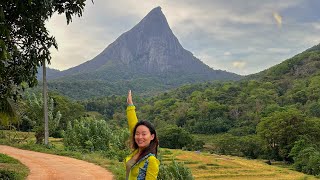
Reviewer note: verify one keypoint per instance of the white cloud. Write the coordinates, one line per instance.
(227, 53)
(316, 25)
(279, 50)
(239, 64)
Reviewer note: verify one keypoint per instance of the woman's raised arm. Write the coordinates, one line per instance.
(131, 113)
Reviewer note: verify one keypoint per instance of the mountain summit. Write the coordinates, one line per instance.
(147, 57)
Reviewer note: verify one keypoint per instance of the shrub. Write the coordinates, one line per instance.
(174, 171)
(7, 175)
(308, 161)
(174, 137)
(218, 125)
(11, 168)
(88, 133)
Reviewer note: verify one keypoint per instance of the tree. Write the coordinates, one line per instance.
(70, 109)
(174, 137)
(25, 41)
(8, 111)
(90, 133)
(34, 114)
(280, 130)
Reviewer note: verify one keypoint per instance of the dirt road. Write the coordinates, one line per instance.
(51, 167)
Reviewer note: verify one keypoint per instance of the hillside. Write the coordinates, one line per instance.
(302, 65)
(51, 73)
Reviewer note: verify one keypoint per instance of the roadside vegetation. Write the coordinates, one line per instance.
(274, 115)
(11, 168)
(175, 164)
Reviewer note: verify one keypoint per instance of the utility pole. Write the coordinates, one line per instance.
(45, 103)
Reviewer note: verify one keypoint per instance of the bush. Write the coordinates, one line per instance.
(174, 137)
(117, 154)
(119, 144)
(218, 125)
(306, 157)
(8, 175)
(89, 134)
(227, 144)
(251, 146)
(196, 145)
(308, 161)
(247, 146)
(174, 171)
(18, 172)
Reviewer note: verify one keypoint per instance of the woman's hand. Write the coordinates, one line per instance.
(129, 98)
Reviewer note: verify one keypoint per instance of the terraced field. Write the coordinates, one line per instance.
(206, 166)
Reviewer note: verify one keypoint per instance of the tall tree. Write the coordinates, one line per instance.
(280, 130)
(25, 41)
(33, 115)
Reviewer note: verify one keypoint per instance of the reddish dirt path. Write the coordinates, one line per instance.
(50, 167)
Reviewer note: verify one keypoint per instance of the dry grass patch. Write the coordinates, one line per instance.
(212, 166)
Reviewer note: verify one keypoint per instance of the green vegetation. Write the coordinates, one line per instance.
(33, 115)
(176, 163)
(177, 138)
(25, 42)
(260, 117)
(90, 135)
(274, 115)
(174, 170)
(264, 116)
(211, 166)
(12, 169)
(108, 81)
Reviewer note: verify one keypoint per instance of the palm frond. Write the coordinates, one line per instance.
(8, 111)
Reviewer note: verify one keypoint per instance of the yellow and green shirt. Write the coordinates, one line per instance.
(146, 168)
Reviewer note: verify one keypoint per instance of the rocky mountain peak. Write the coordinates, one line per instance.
(154, 23)
(148, 57)
(151, 45)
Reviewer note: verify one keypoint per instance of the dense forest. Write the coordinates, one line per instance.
(274, 115)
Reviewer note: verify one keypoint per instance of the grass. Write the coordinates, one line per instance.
(211, 166)
(11, 168)
(203, 165)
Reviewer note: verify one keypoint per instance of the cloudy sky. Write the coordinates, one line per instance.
(240, 36)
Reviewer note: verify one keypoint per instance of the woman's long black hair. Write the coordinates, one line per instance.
(153, 146)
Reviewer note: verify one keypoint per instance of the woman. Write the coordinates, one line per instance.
(142, 163)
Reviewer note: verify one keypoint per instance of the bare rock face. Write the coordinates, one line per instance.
(151, 44)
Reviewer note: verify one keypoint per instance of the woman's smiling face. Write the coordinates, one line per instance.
(143, 137)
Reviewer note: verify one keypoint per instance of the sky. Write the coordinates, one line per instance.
(239, 36)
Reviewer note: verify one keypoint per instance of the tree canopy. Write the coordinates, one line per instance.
(25, 40)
